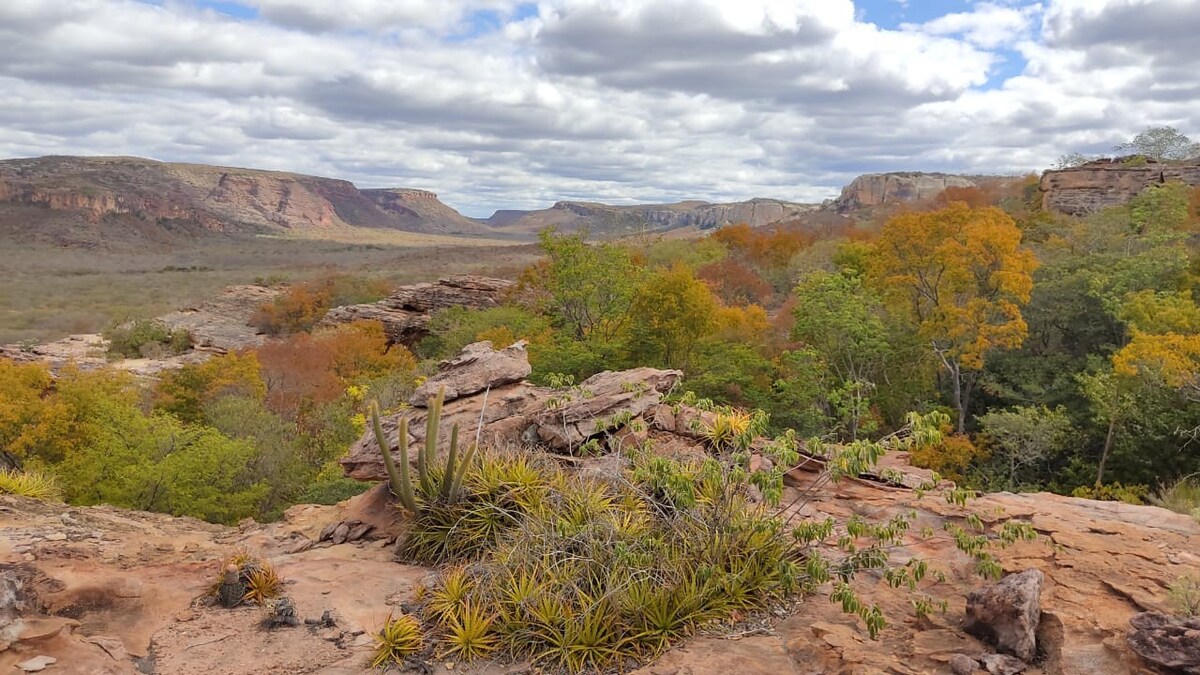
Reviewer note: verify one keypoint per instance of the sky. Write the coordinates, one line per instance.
(502, 104)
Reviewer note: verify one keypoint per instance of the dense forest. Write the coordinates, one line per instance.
(1065, 351)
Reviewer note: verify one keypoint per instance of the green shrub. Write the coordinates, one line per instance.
(1114, 492)
(399, 639)
(1184, 596)
(1182, 496)
(585, 574)
(145, 339)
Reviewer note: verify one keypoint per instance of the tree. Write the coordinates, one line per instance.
(1163, 207)
(1163, 144)
(1023, 437)
(671, 313)
(1071, 160)
(842, 321)
(587, 289)
(963, 276)
(185, 392)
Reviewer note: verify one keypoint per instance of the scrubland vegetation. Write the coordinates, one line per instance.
(48, 292)
(1065, 351)
(1002, 346)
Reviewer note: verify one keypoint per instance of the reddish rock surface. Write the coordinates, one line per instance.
(1104, 183)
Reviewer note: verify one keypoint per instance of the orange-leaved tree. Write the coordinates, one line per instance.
(962, 276)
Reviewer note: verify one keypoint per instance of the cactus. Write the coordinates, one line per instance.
(401, 479)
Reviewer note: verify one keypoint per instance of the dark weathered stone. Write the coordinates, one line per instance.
(1006, 614)
(1166, 642)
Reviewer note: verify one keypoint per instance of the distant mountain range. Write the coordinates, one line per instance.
(94, 201)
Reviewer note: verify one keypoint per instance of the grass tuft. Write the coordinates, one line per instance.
(32, 484)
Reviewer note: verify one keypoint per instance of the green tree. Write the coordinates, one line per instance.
(588, 289)
(1023, 438)
(1163, 144)
(842, 320)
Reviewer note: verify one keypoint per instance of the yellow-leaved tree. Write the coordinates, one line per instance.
(1164, 340)
(962, 276)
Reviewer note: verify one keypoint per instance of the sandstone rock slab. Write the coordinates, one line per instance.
(477, 368)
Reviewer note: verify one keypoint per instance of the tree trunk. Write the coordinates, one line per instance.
(1112, 427)
(956, 383)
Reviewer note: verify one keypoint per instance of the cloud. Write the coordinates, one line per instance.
(988, 25)
(501, 104)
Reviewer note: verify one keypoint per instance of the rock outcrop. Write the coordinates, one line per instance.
(1166, 642)
(222, 324)
(885, 189)
(1104, 183)
(405, 313)
(478, 368)
(611, 220)
(1006, 614)
(515, 413)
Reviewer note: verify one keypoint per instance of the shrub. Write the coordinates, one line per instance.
(302, 305)
(1182, 496)
(1184, 596)
(1113, 492)
(145, 339)
(950, 457)
(32, 484)
(590, 575)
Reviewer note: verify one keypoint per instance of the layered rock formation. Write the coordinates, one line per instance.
(216, 199)
(1104, 183)
(610, 220)
(406, 312)
(885, 189)
(222, 324)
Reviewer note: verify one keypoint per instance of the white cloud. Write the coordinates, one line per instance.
(613, 100)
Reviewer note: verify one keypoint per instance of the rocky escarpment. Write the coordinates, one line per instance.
(609, 220)
(406, 312)
(1104, 183)
(219, 199)
(885, 189)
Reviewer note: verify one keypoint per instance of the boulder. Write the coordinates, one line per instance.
(1006, 614)
(1166, 642)
(405, 313)
(603, 402)
(478, 368)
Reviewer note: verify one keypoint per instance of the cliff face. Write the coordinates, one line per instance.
(605, 219)
(883, 189)
(217, 198)
(1107, 182)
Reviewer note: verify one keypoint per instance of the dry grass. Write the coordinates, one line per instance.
(47, 292)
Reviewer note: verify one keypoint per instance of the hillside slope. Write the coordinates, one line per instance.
(604, 220)
(84, 198)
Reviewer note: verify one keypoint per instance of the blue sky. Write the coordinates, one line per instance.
(510, 104)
